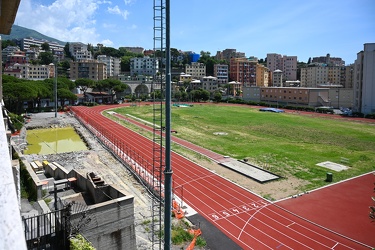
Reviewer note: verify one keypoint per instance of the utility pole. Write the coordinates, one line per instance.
(55, 89)
(168, 168)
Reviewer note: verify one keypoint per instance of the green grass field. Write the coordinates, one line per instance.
(286, 144)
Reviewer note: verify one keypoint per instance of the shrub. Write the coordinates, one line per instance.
(79, 243)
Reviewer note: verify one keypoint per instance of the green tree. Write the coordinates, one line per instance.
(6, 43)
(46, 58)
(65, 95)
(45, 46)
(208, 61)
(111, 86)
(217, 96)
(67, 52)
(16, 93)
(83, 84)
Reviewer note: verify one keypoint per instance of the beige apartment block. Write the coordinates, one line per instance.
(196, 70)
(89, 69)
(311, 77)
(262, 75)
(30, 72)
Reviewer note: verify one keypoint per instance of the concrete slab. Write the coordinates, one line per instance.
(250, 171)
(333, 166)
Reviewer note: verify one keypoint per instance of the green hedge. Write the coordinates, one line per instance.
(28, 189)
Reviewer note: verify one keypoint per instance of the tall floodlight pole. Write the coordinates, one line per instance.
(168, 168)
(55, 89)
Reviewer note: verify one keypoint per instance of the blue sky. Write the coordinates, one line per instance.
(290, 27)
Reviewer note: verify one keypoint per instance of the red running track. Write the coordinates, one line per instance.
(249, 220)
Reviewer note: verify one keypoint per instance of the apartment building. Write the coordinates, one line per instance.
(30, 72)
(112, 64)
(26, 43)
(144, 66)
(243, 70)
(227, 54)
(9, 51)
(287, 64)
(277, 78)
(221, 72)
(79, 51)
(346, 76)
(90, 69)
(364, 80)
(328, 60)
(262, 75)
(16, 57)
(210, 83)
(196, 70)
(311, 77)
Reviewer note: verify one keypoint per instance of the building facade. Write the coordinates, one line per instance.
(144, 66)
(30, 72)
(221, 72)
(79, 51)
(312, 97)
(227, 54)
(89, 69)
(287, 64)
(112, 64)
(277, 78)
(364, 80)
(243, 70)
(196, 70)
(26, 43)
(328, 60)
(9, 51)
(210, 84)
(262, 76)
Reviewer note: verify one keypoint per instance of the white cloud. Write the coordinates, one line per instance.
(129, 2)
(107, 42)
(116, 10)
(66, 20)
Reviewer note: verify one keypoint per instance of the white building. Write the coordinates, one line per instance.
(277, 78)
(143, 66)
(221, 72)
(25, 43)
(364, 80)
(112, 64)
(79, 51)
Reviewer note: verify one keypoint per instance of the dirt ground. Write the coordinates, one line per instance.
(97, 159)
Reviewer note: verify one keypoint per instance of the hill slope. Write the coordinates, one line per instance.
(19, 32)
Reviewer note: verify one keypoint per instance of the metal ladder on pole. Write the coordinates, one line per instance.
(158, 90)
